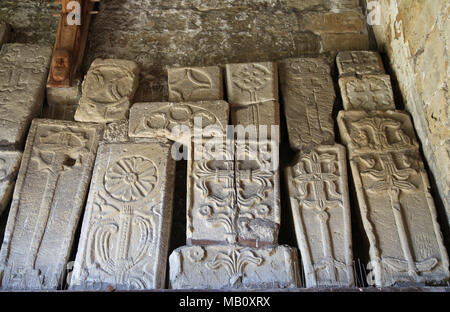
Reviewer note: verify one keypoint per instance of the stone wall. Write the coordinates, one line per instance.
(414, 35)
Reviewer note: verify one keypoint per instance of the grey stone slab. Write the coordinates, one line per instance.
(356, 63)
(9, 167)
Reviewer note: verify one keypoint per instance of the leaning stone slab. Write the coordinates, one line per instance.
(357, 63)
(308, 96)
(23, 75)
(188, 84)
(249, 83)
(5, 32)
(233, 267)
(126, 227)
(47, 203)
(368, 92)
(395, 204)
(317, 184)
(9, 167)
(107, 90)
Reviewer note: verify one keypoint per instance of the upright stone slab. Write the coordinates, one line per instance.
(233, 267)
(308, 96)
(317, 184)
(395, 204)
(107, 90)
(5, 32)
(47, 203)
(368, 92)
(9, 167)
(62, 103)
(357, 63)
(188, 84)
(126, 227)
(23, 74)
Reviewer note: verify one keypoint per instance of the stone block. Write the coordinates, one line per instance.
(9, 167)
(332, 42)
(358, 63)
(63, 102)
(116, 131)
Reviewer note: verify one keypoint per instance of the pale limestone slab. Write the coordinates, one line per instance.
(168, 119)
(126, 227)
(357, 63)
(48, 198)
(233, 267)
(116, 131)
(368, 92)
(23, 75)
(63, 102)
(308, 96)
(188, 84)
(5, 33)
(9, 167)
(318, 192)
(249, 83)
(395, 204)
(107, 90)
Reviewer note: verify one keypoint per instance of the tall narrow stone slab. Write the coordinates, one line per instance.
(188, 84)
(23, 74)
(233, 267)
(107, 90)
(317, 184)
(308, 96)
(357, 63)
(9, 167)
(5, 32)
(396, 207)
(368, 92)
(126, 227)
(47, 203)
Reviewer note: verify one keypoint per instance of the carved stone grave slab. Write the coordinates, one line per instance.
(188, 84)
(9, 167)
(395, 204)
(23, 74)
(107, 90)
(126, 227)
(317, 185)
(308, 96)
(47, 203)
(357, 63)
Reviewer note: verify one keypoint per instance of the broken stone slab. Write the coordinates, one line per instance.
(308, 96)
(189, 84)
(367, 92)
(358, 63)
(233, 267)
(5, 33)
(249, 83)
(318, 192)
(395, 205)
(107, 90)
(48, 198)
(116, 131)
(63, 102)
(176, 121)
(126, 227)
(23, 74)
(9, 167)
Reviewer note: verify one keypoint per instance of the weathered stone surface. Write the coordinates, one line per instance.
(308, 96)
(317, 184)
(349, 21)
(23, 74)
(116, 131)
(331, 42)
(156, 119)
(250, 83)
(125, 233)
(63, 102)
(195, 84)
(396, 207)
(9, 167)
(233, 267)
(359, 63)
(5, 32)
(368, 92)
(47, 203)
(107, 91)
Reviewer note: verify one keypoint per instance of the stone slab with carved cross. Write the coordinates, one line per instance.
(233, 267)
(367, 92)
(23, 74)
(5, 33)
(9, 167)
(188, 84)
(318, 192)
(126, 227)
(108, 90)
(308, 97)
(48, 198)
(395, 205)
(357, 63)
